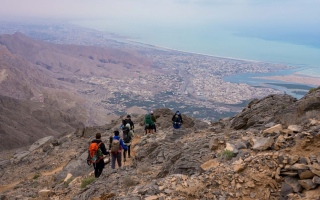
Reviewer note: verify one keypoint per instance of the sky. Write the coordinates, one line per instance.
(223, 11)
(267, 19)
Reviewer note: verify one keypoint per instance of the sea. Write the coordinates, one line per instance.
(216, 40)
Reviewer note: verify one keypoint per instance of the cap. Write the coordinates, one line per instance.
(128, 116)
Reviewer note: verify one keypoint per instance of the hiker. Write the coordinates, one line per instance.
(116, 146)
(128, 120)
(99, 164)
(127, 139)
(153, 118)
(148, 124)
(177, 120)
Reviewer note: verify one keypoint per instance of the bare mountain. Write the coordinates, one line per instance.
(22, 122)
(52, 83)
(275, 158)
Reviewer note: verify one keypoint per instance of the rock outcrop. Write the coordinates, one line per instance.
(264, 158)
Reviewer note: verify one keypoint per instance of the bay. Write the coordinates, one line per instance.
(212, 39)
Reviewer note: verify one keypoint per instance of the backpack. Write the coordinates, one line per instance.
(177, 119)
(126, 137)
(95, 153)
(115, 145)
(148, 121)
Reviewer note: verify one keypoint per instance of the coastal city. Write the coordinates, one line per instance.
(192, 83)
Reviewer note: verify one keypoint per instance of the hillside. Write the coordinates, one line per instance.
(42, 87)
(270, 150)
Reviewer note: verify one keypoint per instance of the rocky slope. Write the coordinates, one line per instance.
(271, 150)
(41, 87)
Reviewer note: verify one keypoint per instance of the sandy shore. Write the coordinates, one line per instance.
(295, 78)
(190, 52)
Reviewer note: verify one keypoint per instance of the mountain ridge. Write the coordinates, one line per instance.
(277, 158)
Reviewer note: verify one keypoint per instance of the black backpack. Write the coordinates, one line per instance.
(177, 119)
(126, 137)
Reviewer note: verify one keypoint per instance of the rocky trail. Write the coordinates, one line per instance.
(271, 150)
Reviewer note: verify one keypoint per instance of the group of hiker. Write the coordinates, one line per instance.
(117, 145)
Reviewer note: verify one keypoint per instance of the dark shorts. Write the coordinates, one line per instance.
(149, 127)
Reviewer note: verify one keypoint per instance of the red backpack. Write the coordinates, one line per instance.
(95, 153)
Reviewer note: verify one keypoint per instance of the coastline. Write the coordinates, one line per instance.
(190, 52)
(295, 78)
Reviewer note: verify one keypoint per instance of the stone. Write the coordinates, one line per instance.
(240, 145)
(286, 132)
(214, 143)
(274, 129)
(67, 177)
(279, 142)
(289, 173)
(45, 193)
(295, 128)
(210, 164)
(312, 194)
(316, 180)
(299, 166)
(315, 168)
(239, 167)
(232, 148)
(40, 143)
(303, 160)
(19, 156)
(293, 182)
(250, 184)
(307, 184)
(305, 174)
(285, 189)
(261, 143)
(314, 122)
(151, 198)
(293, 159)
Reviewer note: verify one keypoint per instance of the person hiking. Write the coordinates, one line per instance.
(127, 139)
(128, 120)
(153, 118)
(99, 165)
(116, 146)
(148, 124)
(177, 120)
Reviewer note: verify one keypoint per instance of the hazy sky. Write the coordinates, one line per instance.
(240, 11)
(267, 19)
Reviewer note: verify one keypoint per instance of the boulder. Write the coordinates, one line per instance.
(275, 129)
(210, 164)
(295, 128)
(305, 174)
(285, 189)
(315, 168)
(299, 166)
(261, 143)
(316, 180)
(40, 143)
(239, 167)
(45, 194)
(307, 184)
(76, 167)
(293, 182)
(19, 156)
(232, 148)
(214, 143)
(240, 145)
